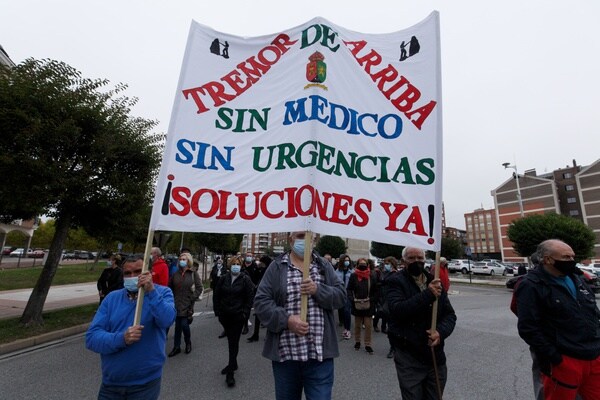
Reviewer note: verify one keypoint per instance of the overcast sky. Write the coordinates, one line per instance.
(520, 79)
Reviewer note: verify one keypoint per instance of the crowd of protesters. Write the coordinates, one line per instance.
(350, 288)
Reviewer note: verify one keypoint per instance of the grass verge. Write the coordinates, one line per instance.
(25, 278)
(11, 330)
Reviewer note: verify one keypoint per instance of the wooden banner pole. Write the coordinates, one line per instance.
(306, 272)
(436, 275)
(140, 298)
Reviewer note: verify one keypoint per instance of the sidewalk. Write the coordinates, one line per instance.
(13, 302)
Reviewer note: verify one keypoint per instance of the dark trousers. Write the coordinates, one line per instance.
(378, 315)
(233, 325)
(345, 315)
(256, 326)
(416, 379)
(181, 325)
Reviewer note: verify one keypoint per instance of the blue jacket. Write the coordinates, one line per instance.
(140, 362)
(553, 323)
(269, 305)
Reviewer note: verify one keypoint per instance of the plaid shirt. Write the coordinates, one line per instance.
(292, 346)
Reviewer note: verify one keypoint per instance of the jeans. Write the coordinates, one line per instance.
(291, 377)
(181, 324)
(147, 391)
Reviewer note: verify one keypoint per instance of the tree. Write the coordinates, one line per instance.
(332, 245)
(526, 233)
(382, 250)
(451, 248)
(69, 149)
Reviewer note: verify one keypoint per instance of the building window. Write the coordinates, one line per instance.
(574, 213)
(571, 200)
(567, 175)
(569, 188)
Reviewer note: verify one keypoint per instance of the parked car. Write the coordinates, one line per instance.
(591, 279)
(591, 268)
(37, 253)
(510, 268)
(68, 255)
(6, 250)
(20, 252)
(488, 268)
(460, 266)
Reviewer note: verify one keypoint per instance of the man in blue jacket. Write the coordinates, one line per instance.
(560, 321)
(132, 356)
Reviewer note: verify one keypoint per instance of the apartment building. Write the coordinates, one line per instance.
(482, 234)
(588, 182)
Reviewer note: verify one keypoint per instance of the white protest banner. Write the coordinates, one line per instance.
(316, 128)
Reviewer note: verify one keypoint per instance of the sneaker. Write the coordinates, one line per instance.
(357, 346)
(368, 349)
(346, 335)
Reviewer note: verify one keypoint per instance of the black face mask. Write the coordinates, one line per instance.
(362, 267)
(565, 267)
(416, 268)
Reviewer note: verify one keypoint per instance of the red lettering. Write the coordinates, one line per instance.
(423, 113)
(181, 200)
(263, 204)
(361, 208)
(393, 215)
(223, 197)
(196, 203)
(194, 93)
(415, 219)
(405, 101)
(283, 42)
(340, 206)
(242, 205)
(298, 201)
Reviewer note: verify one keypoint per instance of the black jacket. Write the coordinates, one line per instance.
(410, 316)
(110, 279)
(233, 298)
(362, 290)
(553, 323)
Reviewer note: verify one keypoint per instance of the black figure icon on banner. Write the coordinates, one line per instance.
(413, 48)
(215, 48)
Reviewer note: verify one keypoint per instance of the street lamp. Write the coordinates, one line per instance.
(507, 165)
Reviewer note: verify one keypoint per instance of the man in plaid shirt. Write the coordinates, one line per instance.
(302, 353)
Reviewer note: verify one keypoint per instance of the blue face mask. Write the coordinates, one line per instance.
(346, 263)
(248, 259)
(182, 263)
(130, 284)
(235, 269)
(298, 247)
(387, 267)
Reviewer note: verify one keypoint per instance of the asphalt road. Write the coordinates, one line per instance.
(486, 360)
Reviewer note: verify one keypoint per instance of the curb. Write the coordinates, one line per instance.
(21, 344)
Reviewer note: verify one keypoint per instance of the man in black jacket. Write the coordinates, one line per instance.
(560, 321)
(410, 296)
